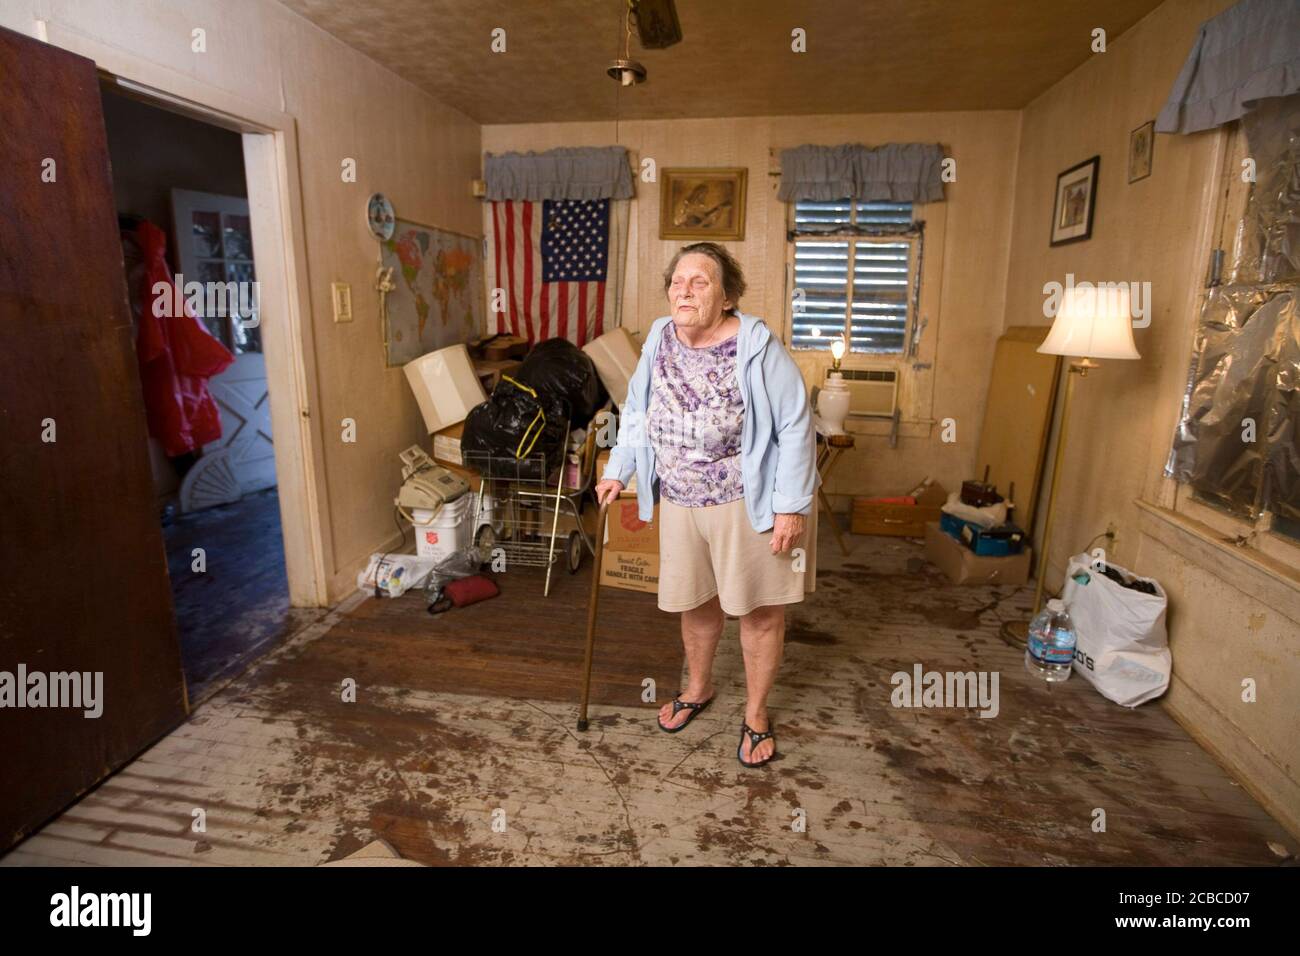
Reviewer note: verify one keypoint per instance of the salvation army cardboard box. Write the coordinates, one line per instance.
(630, 558)
(630, 570)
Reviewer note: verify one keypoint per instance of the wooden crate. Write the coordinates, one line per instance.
(907, 521)
(884, 517)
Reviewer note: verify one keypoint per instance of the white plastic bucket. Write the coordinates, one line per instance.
(488, 513)
(438, 536)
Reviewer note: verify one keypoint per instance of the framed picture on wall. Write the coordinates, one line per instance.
(1140, 144)
(1076, 201)
(702, 203)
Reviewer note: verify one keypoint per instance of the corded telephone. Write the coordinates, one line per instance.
(426, 485)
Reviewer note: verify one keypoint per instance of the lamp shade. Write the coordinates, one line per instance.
(1093, 322)
(615, 355)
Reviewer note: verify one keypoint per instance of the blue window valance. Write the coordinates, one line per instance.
(1247, 53)
(894, 172)
(569, 172)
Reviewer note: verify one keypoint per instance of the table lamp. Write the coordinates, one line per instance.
(832, 399)
(1092, 323)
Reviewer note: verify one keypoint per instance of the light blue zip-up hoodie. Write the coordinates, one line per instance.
(778, 450)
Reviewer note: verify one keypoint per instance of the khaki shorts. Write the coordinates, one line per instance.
(715, 550)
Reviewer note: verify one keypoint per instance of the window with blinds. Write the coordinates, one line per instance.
(875, 244)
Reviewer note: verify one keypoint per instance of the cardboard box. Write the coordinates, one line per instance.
(964, 566)
(630, 555)
(629, 490)
(625, 531)
(489, 371)
(504, 347)
(630, 570)
(446, 444)
(883, 517)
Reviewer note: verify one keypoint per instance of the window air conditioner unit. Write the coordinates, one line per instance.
(872, 391)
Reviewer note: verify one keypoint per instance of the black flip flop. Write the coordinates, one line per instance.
(678, 706)
(755, 738)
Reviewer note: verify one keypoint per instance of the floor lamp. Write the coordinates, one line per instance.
(1091, 323)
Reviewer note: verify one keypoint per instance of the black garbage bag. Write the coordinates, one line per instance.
(561, 369)
(517, 433)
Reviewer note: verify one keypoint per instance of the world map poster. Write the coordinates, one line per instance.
(437, 299)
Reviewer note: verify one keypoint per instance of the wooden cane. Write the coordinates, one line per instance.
(591, 614)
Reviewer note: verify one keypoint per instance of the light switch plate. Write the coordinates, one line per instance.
(342, 295)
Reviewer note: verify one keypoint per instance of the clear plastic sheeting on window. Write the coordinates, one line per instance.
(1236, 444)
(1267, 247)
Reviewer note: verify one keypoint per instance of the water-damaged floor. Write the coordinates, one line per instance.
(286, 772)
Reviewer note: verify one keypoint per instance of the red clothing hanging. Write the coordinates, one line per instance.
(177, 356)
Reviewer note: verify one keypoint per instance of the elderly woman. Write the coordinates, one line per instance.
(717, 430)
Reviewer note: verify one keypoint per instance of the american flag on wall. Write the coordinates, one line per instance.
(559, 264)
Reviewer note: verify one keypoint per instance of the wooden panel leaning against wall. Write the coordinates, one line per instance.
(87, 604)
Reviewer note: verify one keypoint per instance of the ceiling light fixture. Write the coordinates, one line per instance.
(625, 70)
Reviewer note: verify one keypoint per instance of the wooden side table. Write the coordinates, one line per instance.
(829, 450)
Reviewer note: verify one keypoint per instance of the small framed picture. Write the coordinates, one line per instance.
(1140, 144)
(702, 203)
(1076, 201)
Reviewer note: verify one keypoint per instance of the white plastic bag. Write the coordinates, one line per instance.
(990, 516)
(1123, 647)
(396, 573)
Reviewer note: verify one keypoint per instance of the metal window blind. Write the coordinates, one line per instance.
(873, 307)
(832, 214)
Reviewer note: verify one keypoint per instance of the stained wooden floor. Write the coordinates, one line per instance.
(238, 607)
(286, 773)
(519, 644)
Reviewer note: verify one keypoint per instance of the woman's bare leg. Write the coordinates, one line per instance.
(701, 629)
(762, 639)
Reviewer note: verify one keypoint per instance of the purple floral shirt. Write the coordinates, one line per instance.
(694, 420)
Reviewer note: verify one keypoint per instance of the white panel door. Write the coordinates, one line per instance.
(214, 244)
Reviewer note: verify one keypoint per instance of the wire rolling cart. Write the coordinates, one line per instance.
(519, 502)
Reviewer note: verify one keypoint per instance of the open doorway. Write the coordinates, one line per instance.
(183, 212)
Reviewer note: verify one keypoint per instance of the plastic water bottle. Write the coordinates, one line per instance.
(1049, 653)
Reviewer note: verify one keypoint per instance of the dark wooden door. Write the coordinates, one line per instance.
(83, 574)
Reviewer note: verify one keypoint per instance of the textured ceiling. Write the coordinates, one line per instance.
(735, 59)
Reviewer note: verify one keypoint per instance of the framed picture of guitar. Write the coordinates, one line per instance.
(702, 203)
